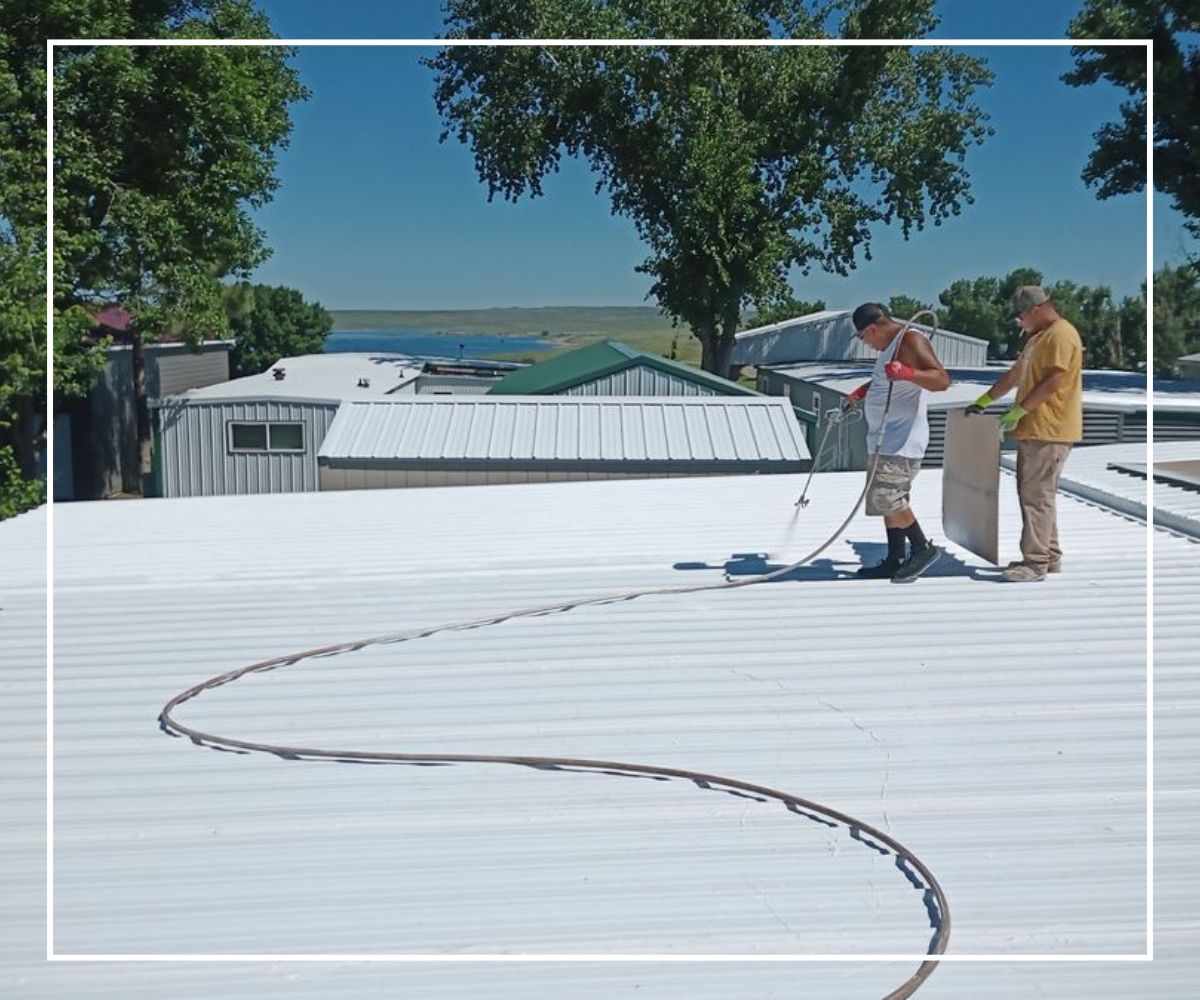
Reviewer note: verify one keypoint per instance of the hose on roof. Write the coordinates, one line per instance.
(914, 870)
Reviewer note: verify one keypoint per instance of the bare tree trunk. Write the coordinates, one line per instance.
(141, 409)
(717, 349)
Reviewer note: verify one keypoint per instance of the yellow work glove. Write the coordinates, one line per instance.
(1012, 417)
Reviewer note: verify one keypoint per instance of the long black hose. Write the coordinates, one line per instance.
(914, 870)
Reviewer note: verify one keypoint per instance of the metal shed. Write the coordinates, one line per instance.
(260, 434)
(829, 336)
(431, 441)
(215, 447)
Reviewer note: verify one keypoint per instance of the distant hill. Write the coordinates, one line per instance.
(564, 327)
(606, 321)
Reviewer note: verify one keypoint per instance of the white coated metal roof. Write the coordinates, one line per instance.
(1089, 474)
(316, 377)
(1112, 390)
(996, 730)
(627, 429)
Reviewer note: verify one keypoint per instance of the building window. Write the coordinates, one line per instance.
(263, 436)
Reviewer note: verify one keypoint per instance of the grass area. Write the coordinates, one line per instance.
(567, 327)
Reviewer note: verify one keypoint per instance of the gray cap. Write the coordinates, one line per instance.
(1028, 296)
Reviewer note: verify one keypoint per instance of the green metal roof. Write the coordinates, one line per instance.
(596, 361)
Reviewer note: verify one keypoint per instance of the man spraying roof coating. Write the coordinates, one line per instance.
(909, 365)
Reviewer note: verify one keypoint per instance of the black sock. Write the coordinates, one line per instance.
(916, 537)
(895, 544)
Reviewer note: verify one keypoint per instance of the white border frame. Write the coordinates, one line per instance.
(1147, 44)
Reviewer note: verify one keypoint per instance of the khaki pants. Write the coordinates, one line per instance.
(1039, 466)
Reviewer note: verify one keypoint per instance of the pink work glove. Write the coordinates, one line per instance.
(899, 370)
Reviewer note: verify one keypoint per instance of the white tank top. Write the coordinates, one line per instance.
(906, 432)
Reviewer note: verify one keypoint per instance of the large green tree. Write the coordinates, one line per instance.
(975, 307)
(734, 163)
(1113, 334)
(22, 256)
(160, 153)
(1176, 316)
(272, 322)
(1118, 163)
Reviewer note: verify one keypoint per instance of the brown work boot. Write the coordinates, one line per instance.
(1055, 566)
(1024, 573)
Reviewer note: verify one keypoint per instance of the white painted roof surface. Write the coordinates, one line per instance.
(627, 429)
(317, 377)
(1009, 758)
(1101, 389)
(1087, 474)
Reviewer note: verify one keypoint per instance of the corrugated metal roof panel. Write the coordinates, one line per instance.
(567, 428)
(1089, 473)
(1010, 758)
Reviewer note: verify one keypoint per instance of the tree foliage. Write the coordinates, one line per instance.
(1113, 332)
(735, 164)
(905, 306)
(159, 154)
(272, 322)
(1118, 163)
(783, 309)
(1176, 316)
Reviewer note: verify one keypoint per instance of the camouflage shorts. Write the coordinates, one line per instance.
(890, 487)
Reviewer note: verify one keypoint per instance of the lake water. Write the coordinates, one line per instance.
(426, 343)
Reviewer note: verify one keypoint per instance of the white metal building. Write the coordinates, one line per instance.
(1114, 406)
(261, 433)
(434, 441)
(1188, 366)
(829, 336)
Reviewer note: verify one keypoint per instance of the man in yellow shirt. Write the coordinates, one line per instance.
(1046, 421)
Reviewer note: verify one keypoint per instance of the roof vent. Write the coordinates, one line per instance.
(364, 383)
(279, 373)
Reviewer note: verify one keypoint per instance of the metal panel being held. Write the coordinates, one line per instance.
(971, 483)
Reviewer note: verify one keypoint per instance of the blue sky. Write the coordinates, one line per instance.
(374, 213)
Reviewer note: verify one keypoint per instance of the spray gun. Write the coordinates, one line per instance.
(834, 416)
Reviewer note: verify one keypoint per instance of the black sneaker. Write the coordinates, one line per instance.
(917, 563)
(880, 571)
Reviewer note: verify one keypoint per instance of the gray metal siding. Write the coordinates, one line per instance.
(447, 385)
(1175, 426)
(359, 478)
(180, 371)
(640, 380)
(195, 455)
